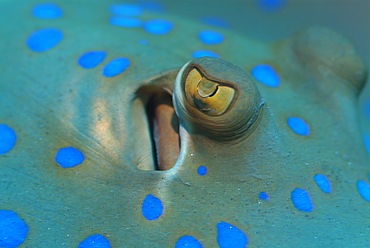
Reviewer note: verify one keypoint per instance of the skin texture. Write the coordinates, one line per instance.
(51, 102)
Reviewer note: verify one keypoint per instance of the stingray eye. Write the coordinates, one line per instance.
(210, 97)
(217, 99)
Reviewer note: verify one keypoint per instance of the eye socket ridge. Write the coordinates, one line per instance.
(204, 74)
(226, 107)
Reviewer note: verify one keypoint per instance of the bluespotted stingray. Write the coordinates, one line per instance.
(122, 127)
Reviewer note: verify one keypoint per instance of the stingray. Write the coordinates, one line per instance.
(121, 127)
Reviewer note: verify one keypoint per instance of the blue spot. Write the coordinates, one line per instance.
(69, 157)
(367, 108)
(188, 242)
(210, 37)
(323, 183)
(205, 53)
(95, 241)
(126, 22)
(44, 39)
(363, 189)
(266, 74)
(264, 196)
(230, 236)
(152, 5)
(367, 142)
(202, 170)
(298, 125)
(143, 42)
(215, 21)
(91, 59)
(152, 207)
(271, 5)
(7, 139)
(126, 9)
(301, 200)
(158, 27)
(47, 11)
(13, 230)
(115, 67)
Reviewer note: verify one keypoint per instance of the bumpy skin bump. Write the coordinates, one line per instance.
(232, 116)
(328, 54)
(51, 102)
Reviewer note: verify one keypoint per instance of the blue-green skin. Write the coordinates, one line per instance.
(51, 102)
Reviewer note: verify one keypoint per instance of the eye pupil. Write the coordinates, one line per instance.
(207, 88)
(208, 96)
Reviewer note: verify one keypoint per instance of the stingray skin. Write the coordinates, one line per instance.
(51, 102)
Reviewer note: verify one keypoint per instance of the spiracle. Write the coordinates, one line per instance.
(217, 99)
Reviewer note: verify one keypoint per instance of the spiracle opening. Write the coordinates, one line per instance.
(156, 130)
